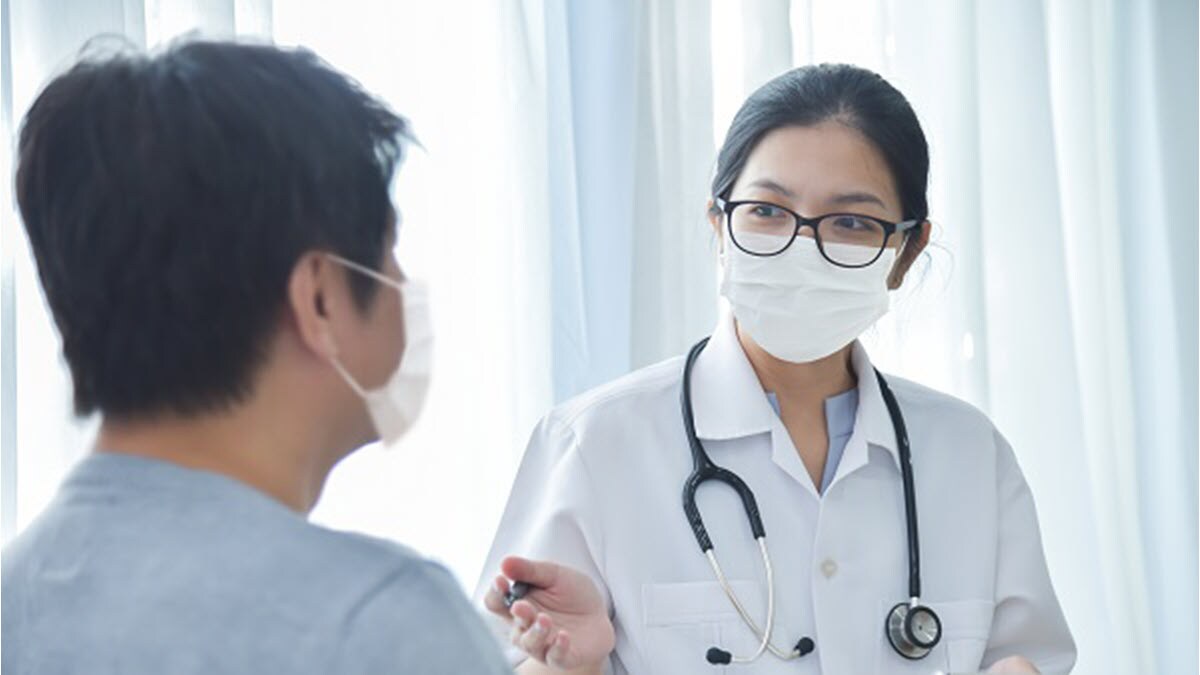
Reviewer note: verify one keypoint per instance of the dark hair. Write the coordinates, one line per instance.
(848, 94)
(167, 199)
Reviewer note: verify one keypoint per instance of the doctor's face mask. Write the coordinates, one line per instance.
(810, 236)
(797, 305)
(395, 406)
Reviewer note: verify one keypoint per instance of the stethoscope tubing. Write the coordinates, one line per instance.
(704, 469)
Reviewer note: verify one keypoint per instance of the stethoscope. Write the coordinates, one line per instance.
(912, 628)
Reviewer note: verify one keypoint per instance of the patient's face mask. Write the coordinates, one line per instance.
(797, 305)
(394, 407)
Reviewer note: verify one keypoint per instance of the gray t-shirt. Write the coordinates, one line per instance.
(140, 566)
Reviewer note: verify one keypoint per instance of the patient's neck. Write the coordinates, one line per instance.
(256, 443)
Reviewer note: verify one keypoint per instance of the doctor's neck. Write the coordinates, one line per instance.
(804, 383)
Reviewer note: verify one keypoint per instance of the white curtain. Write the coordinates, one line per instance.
(558, 213)
(620, 162)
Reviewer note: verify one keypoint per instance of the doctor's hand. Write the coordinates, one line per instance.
(1014, 664)
(562, 622)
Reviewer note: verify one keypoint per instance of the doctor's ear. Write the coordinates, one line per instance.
(312, 301)
(717, 219)
(914, 243)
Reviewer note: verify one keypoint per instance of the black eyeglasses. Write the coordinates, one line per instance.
(844, 239)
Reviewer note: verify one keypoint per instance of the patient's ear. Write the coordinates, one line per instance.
(312, 297)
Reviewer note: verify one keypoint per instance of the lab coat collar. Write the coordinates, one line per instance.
(727, 398)
(872, 418)
(729, 402)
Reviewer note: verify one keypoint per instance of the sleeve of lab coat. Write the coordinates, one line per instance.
(1028, 620)
(552, 514)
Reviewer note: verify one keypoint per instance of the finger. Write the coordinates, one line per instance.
(519, 625)
(524, 613)
(522, 635)
(494, 598)
(557, 656)
(515, 634)
(536, 640)
(534, 573)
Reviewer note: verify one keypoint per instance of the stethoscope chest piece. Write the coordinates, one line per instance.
(913, 630)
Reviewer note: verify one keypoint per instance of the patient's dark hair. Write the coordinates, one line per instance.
(167, 199)
(847, 94)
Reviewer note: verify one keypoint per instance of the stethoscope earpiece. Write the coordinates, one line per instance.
(718, 657)
(913, 629)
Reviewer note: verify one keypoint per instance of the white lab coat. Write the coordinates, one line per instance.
(600, 489)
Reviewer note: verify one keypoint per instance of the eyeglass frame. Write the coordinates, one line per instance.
(889, 228)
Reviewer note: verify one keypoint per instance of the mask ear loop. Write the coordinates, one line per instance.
(337, 365)
(381, 278)
(363, 269)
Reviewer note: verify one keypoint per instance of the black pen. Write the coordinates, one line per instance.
(517, 591)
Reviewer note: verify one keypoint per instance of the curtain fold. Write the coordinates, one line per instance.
(1153, 65)
(673, 300)
(1035, 389)
(1083, 101)
(8, 294)
(628, 150)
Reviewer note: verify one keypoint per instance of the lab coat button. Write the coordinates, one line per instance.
(828, 568)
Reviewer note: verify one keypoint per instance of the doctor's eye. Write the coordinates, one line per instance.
(851, 223)
(768, 212)
(854, 229)
(761, 218)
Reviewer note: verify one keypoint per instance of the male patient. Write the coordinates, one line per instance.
(213, 232)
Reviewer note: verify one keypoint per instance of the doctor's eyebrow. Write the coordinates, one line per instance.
(851, 198)
(768, 184)
(844, 199)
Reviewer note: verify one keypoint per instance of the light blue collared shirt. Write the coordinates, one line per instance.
(840, 411)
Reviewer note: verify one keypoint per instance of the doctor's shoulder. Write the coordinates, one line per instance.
(945, 425)
(631, 408)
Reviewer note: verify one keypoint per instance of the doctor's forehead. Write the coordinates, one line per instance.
(829, 163)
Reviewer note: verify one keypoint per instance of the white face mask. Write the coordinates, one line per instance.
(797, 305)
(394, 407)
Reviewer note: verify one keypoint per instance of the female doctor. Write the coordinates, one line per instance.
(768, 503)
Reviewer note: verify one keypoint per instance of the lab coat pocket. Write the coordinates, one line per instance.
(966, 625)
(683, 620)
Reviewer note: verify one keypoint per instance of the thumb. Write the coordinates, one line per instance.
(535, 573)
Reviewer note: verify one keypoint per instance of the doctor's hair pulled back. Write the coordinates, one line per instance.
(853, 96)
(168, 197)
